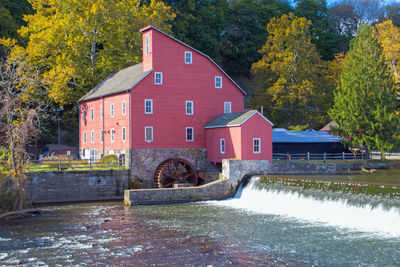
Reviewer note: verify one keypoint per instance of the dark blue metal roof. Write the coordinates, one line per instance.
(281, 135)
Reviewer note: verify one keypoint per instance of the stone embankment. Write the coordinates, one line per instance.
(76, 186)
(233, 172)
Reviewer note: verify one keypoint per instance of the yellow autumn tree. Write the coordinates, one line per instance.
(290, 76)
(388, 36)
(77, 43)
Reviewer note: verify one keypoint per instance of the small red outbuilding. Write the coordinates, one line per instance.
(241, 135)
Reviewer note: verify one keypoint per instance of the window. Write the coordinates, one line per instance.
(158, 78)
(84, 115)
(222, 146)
(112, 110)
(189, 107)
(227, 107)
(218, 82)
(84, 137)
(189, 134)
(102, 136)
(92, 137)
(123, 134)
(123, 108)
(188, 57)
(256, 145)
(92, 114)
(148, 106)
(148, 134)
(147, 45)
(101, 112)
(112, 135)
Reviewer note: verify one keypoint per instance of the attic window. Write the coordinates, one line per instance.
(218, 82)
(147, 45)
(188, 57)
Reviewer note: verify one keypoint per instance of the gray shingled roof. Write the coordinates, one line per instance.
(232, 119)
(117, 82)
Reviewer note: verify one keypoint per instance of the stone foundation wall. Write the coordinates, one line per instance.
(54, 187)
(212, 191)
(145, 161)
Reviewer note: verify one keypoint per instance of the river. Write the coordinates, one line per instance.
(264, 225)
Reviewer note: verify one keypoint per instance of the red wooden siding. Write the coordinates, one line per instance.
(181, 82)
(117, 122)
(256, 127)
(239, 140)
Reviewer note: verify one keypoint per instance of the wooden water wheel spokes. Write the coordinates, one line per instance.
(174, 170)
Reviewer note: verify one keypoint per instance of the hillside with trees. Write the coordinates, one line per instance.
(287, 55)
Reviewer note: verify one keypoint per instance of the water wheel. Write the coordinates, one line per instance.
(173, 171)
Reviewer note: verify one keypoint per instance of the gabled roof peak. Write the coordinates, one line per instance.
(198, 51)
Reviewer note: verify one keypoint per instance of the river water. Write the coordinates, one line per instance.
(264, 225)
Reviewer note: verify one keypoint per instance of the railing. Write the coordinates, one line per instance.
(70, 164)
(359, 156)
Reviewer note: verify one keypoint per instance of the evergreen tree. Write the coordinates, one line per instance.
(366, 107)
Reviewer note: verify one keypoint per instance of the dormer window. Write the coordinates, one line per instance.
(158, 78)
(188, 57)
(218, 82)
(147, 45)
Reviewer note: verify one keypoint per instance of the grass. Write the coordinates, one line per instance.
(391, 191)
(49, 164)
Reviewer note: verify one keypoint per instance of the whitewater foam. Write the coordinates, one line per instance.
(373, 219)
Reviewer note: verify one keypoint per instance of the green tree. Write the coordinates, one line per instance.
(246, 32)
(290, 76)
(200, 24)
(365, 104)
(322, 28)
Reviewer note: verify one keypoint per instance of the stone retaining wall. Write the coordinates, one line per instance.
(212, 191)
(55, 187)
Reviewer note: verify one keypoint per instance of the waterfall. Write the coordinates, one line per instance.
(338, 211)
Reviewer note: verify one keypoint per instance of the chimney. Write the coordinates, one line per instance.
(147, 50)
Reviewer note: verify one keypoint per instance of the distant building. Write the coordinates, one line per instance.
(327, 128)
(301, 142)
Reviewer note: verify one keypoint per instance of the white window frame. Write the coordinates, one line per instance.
(101, 112)
(84, 115)
(259, 145)
(84, 137)
(92, 136)
(123, 134)
(102, 136)
(191, 107)
(152, 134)
(92, 114)
(124, 107)
(151, 106)
(188, 55)
(222, 144)
(160, 82)
(112, 110)
(147, 44)
(189, 140)
(220, 81)
(112, 137)
(226, 110)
